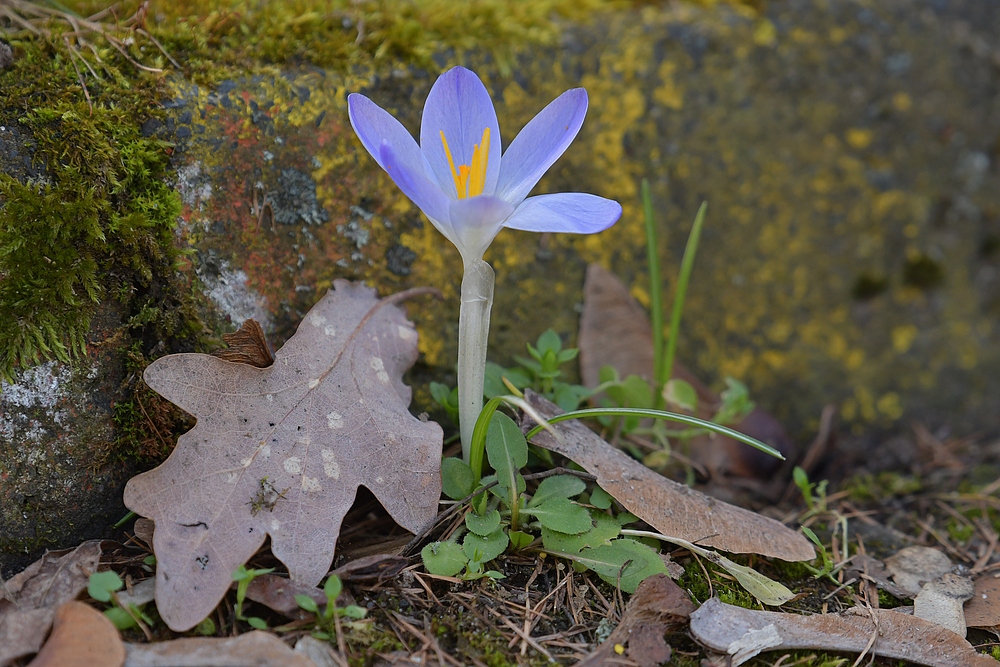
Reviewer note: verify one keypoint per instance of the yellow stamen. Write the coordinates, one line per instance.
(470, 179)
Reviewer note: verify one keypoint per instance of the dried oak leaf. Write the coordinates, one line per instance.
(254, 649)
(670, 507)
(281, 451)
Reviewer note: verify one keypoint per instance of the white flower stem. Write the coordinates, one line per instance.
(473, 330)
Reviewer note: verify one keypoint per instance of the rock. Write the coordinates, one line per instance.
(845, 153)
(61, 479)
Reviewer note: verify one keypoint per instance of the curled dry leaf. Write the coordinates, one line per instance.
(744, 633)
(672, 508)
(256, 649)
(872, 570)
(658, 606)
(247, 345)
(281, 451)
(30, 598)
(81, 637)
(615, 331)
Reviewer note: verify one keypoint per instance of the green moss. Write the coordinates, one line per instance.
(868, 487)
(91, 216)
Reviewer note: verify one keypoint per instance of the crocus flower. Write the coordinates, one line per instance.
(457, 175)
(458, 178)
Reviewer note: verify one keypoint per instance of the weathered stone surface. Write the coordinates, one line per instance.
(847, 153)
(60, 478)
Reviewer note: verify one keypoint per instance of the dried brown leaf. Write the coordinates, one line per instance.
(672, 508)
(278, 593)
(376, 567)
(281, 451)
(615, 331)
(983, 610)
(247, 345)
(254, 649)
(863, 566)
(658, 606)
(743, 633)
(81, 637)
(30, 598)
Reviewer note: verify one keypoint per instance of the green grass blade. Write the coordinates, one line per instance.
(660, 414)
(687, 264)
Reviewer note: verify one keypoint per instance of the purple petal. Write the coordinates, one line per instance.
(375, 126)
(421, 190)
(476, 221)
(567, 212)
(459, 106)
(539, 144)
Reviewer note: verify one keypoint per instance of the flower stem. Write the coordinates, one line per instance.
(473, 330)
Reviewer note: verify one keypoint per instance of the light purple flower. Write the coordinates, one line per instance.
(457, 176)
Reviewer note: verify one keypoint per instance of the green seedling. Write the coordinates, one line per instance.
(328, 619)
(242, 576)
(814, 494)
(826, 564)
(104, 587)
(501, 515)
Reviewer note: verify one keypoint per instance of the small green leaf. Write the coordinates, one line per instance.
(103, 584)
(625, 518)
(243, 574)
(257, 622)
(493, 385)
(493, 574)
(567, 355)
(483, 525)
(623, 558)
(519, 540)
(608, 373)
(149, 560)
(549, 341)
(563, 515)
(768, 591)
(605, 529)
(499, 490)
(354, 611)
(517, 377)
(600, 498)
(484, 549)
(206, 628)
(440, 393)
(681, 394)
(332, 588)
(307, 603)
(320, 635)
(445, 559)
(568, 396)
(120, 618)
(559, 486)
(506, 449)
(456, 478)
